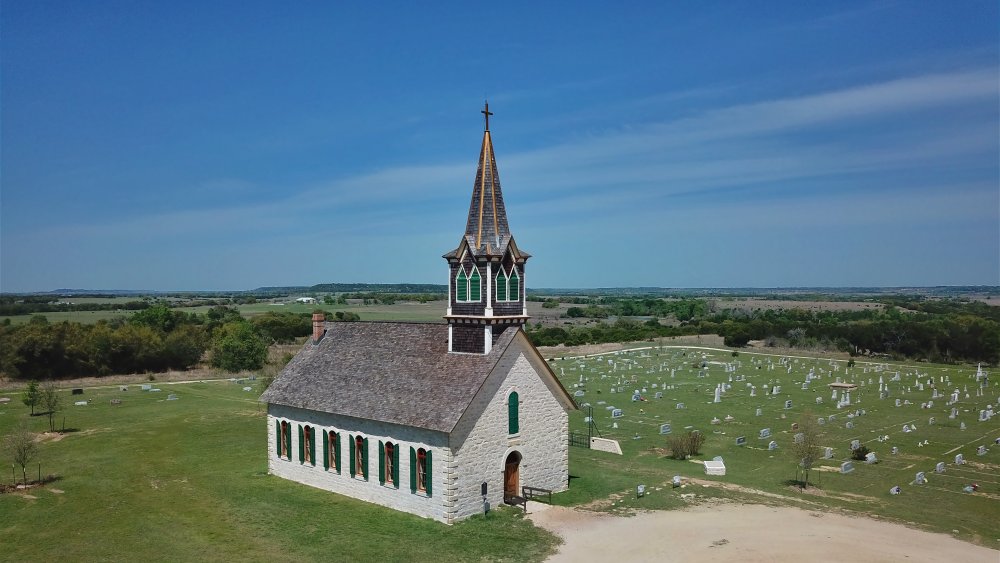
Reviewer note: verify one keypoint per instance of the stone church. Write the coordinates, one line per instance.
(421, 417)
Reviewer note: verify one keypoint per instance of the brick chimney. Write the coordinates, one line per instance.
(319, 327)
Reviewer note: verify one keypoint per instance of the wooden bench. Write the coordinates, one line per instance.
(515, 500)
(531, 493)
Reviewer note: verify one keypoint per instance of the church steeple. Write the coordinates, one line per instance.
(486, 271)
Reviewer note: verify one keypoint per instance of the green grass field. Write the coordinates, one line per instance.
(186, 480)
(753, 472)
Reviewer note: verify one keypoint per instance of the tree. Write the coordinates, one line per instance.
(51, 402)
(31, 396)
(21, 447)
(806, 450)
(238, 346)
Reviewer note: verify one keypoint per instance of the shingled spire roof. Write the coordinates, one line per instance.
(487, 232)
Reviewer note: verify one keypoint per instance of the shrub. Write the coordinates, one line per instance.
(684, 445)
(860, 453)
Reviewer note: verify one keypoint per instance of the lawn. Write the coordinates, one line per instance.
(186, 480)
(754, 472)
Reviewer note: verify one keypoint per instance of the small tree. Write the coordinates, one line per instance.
(51, 402)
(21, 447)
(238, 346)
(31, 396)
(806, 450)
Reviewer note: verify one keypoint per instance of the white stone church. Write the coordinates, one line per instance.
(418, 417)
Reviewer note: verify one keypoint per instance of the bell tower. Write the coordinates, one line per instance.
(486, 271)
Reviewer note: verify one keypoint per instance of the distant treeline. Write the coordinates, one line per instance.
(945, 330)
(154, 339)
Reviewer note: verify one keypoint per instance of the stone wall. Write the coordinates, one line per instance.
(371, 491)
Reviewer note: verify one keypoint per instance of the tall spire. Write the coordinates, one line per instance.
(487, 231)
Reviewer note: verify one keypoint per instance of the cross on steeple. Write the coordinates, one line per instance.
(487, 113)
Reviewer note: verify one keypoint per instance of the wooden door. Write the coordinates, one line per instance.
(510, 475)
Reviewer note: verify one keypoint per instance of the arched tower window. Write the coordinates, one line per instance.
(515, 285)
(501, 286)
(475, 285)
(461, 286)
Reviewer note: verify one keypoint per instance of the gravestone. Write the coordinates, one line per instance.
(578, 393)
(846, 467)
(827, 453)
(897, 402)
(895, 450)
(676, 481)
(680, 406)
(788, 404)
(665, 429)
(870, 458)
(821, 421)
(658, 395)
(123, 388)
(248, 388)
(895, 490)
(981, 450)
(855, 444)
(849, 425)
(764, 434)
(80, 404)
(961, 426)
(146, 386)
(819, 400)
(588, 419)
(171, 397)
(939, 468)
(921, 479)
(760, 412)
(116, 401)
(77, 391)
(799, 437)
(617, 413)
(741, 440)
(772, 445)
(930, 420)
(795, 426)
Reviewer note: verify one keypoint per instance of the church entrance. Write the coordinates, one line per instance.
(511, 478)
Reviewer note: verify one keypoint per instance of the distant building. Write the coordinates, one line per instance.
(306, 300)
(420, 417)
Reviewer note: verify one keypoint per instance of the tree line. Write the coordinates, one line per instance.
(154, 339)
(938, 330)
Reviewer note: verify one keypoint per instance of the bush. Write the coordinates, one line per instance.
(684, 445)
(860, 453)
(238, 346)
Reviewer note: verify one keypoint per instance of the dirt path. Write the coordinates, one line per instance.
(734, 532)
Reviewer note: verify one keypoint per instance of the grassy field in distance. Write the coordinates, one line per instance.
(186, 480)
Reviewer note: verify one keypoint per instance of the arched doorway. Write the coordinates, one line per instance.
(511, 478)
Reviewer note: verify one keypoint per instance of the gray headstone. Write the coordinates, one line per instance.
(665, 429)
(772, 445)
(939, 468)
(764, 434)
(617, 413)
(846, 467)
(741, 440)
(788, 404)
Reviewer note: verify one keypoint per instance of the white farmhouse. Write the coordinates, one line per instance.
(422, 417)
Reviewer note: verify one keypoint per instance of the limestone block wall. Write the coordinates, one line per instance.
(481, 444)
(402, 499)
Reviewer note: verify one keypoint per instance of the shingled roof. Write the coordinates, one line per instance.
(399, 373)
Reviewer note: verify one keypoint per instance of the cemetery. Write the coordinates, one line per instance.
(749, 407)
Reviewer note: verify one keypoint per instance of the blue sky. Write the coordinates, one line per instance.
(232, 145)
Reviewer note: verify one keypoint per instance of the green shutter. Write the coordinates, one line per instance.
(413, 470)
(336, 452)
(501, 286)
(515, 285)
(395, 466)
(381, 463)
(302, 446)
(326, 450)
(475, 285)
(461, 286)
(277, 436)
(350, 445)
(364, 458)
(427, 478)
(288, 440)
(312, 446)
(512, 426)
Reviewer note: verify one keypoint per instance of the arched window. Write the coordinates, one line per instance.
(359, 457)
(331, 451)
(515, 285)
(512, 407)
(420, 471)
(388, 464)
(475, 285)
(501, 286)
(461, 286)
(284, 433)
(307, 445)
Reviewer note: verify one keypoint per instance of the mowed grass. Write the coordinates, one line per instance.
(755, 474)
(186, 480)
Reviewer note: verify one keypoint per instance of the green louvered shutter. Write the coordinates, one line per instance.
(512, 425)
(515, 285)
(381, 463)
(354, 463)
(312, 447)
(336, 452)
(277, 437)
(364, 458)
(326, 450)
(427, 478)
(395, 466)
(475, 285)
(413, 470)
(461, 286)
(302, 446)
(501, 286)
(288, 441)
